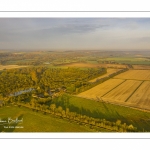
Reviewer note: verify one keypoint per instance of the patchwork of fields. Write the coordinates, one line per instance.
(131, 88)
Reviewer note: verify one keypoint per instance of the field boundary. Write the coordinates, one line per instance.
(131, 79)
(119, 104)
(114, 88)
(134, 91)
(141, 75)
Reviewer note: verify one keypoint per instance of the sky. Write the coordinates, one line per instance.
(75, 33)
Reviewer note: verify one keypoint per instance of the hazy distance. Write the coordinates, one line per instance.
(75, 33)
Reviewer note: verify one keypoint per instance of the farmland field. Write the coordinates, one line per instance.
(135, 75)
(110, 112)
(109, 72)
(123, 91)
(141, 97)
(129, 89)
(38, 122)
(10, 66)
(143, 67)
(129, 60)
(101, 89)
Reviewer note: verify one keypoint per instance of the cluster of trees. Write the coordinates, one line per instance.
(12, 82)
(44, 79)
(47, 81)
(71, 78)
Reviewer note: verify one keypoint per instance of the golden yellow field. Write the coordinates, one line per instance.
(122, 92)
(10, 67)
(135, 75)
(141, 97)
(101, 89)
(109, 72)
(131, 88)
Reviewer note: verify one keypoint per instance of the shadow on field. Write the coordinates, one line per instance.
(87, 112)
(104, 112)
(80, 110)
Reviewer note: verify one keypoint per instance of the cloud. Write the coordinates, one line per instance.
(143, 39)
(74, 32)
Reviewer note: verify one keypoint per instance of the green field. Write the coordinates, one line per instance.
(110, 112)
(15, 62)
(128, 60)
(92, 62)
(38, 122)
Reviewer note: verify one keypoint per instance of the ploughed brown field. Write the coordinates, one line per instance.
(131, 88)
(143, 67)
(10, 67)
